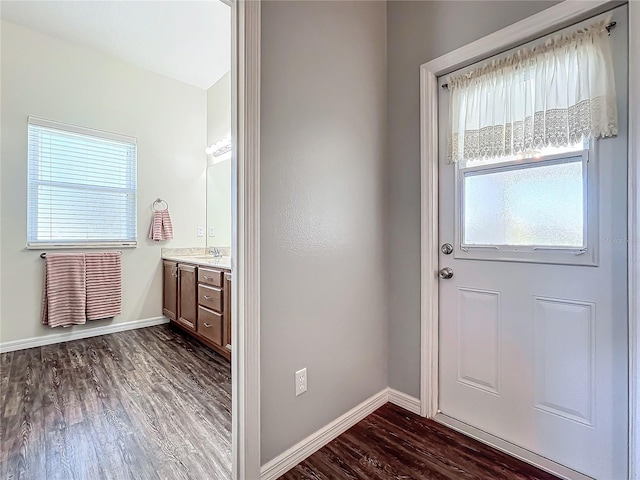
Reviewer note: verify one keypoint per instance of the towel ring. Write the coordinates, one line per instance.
(160, 202)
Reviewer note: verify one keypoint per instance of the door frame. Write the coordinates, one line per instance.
(245, 245)
(546, 21)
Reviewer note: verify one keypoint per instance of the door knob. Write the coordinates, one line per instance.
(446, 248)
(445, 273)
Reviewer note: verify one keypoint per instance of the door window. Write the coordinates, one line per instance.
(535, 210)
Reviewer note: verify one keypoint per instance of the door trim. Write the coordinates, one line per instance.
(634, 240)
(245, 131)
(551, 19)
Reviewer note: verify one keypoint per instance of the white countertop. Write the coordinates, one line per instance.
(202, 260)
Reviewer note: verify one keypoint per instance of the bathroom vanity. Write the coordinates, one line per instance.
(197, 298)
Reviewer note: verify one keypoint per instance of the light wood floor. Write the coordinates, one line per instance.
(393, 444)
(143, 404)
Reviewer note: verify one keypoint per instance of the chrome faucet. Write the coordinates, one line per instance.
(214, 251)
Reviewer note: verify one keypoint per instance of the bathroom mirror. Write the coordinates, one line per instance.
(219, 163)
(219, 204)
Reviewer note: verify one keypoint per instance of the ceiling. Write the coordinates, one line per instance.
(189, 41)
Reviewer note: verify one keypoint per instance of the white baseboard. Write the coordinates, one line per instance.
(314, 442)
(84, 332)
(409, 403)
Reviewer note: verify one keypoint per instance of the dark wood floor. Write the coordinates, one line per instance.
(154, 404)
(142, 404)
(393, 444)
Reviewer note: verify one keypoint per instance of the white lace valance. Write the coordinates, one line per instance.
(555, 94)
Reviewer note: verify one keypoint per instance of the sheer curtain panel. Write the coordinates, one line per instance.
(555, 94)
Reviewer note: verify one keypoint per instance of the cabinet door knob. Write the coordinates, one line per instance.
(207, 297)
(206, 277)
(207, 324)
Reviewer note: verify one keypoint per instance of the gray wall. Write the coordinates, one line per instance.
(323, 201)
(419, 31)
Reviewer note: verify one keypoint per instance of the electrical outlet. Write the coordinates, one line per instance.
(301, 381)
(200, 231)
(212, 231)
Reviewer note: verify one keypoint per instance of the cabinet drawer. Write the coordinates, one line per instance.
(210, 297)
(210, 325)
(210, 276)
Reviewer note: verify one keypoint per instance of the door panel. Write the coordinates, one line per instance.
(536, 353)
(188, 304)
(170, 289)
(564, 349)
(479, 339)
(226, 339)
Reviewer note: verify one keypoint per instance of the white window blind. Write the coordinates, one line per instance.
(82, 186)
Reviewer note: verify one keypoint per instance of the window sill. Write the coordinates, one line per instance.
(71, 246)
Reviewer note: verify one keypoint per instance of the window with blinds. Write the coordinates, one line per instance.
(82, 187)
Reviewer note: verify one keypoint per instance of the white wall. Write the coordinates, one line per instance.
(219, 175)
(49, 78)
(219, 109)
(323, 213)
(419, 31)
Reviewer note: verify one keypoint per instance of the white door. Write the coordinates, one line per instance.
(533, 341)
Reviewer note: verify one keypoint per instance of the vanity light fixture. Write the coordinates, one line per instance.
(219, 148)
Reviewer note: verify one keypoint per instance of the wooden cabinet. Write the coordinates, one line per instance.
(187, 300)
(210, 325)
(210, 306)
(210, 276)
(170, 289)
(226, 340)
(198, 299)
(210, 297)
